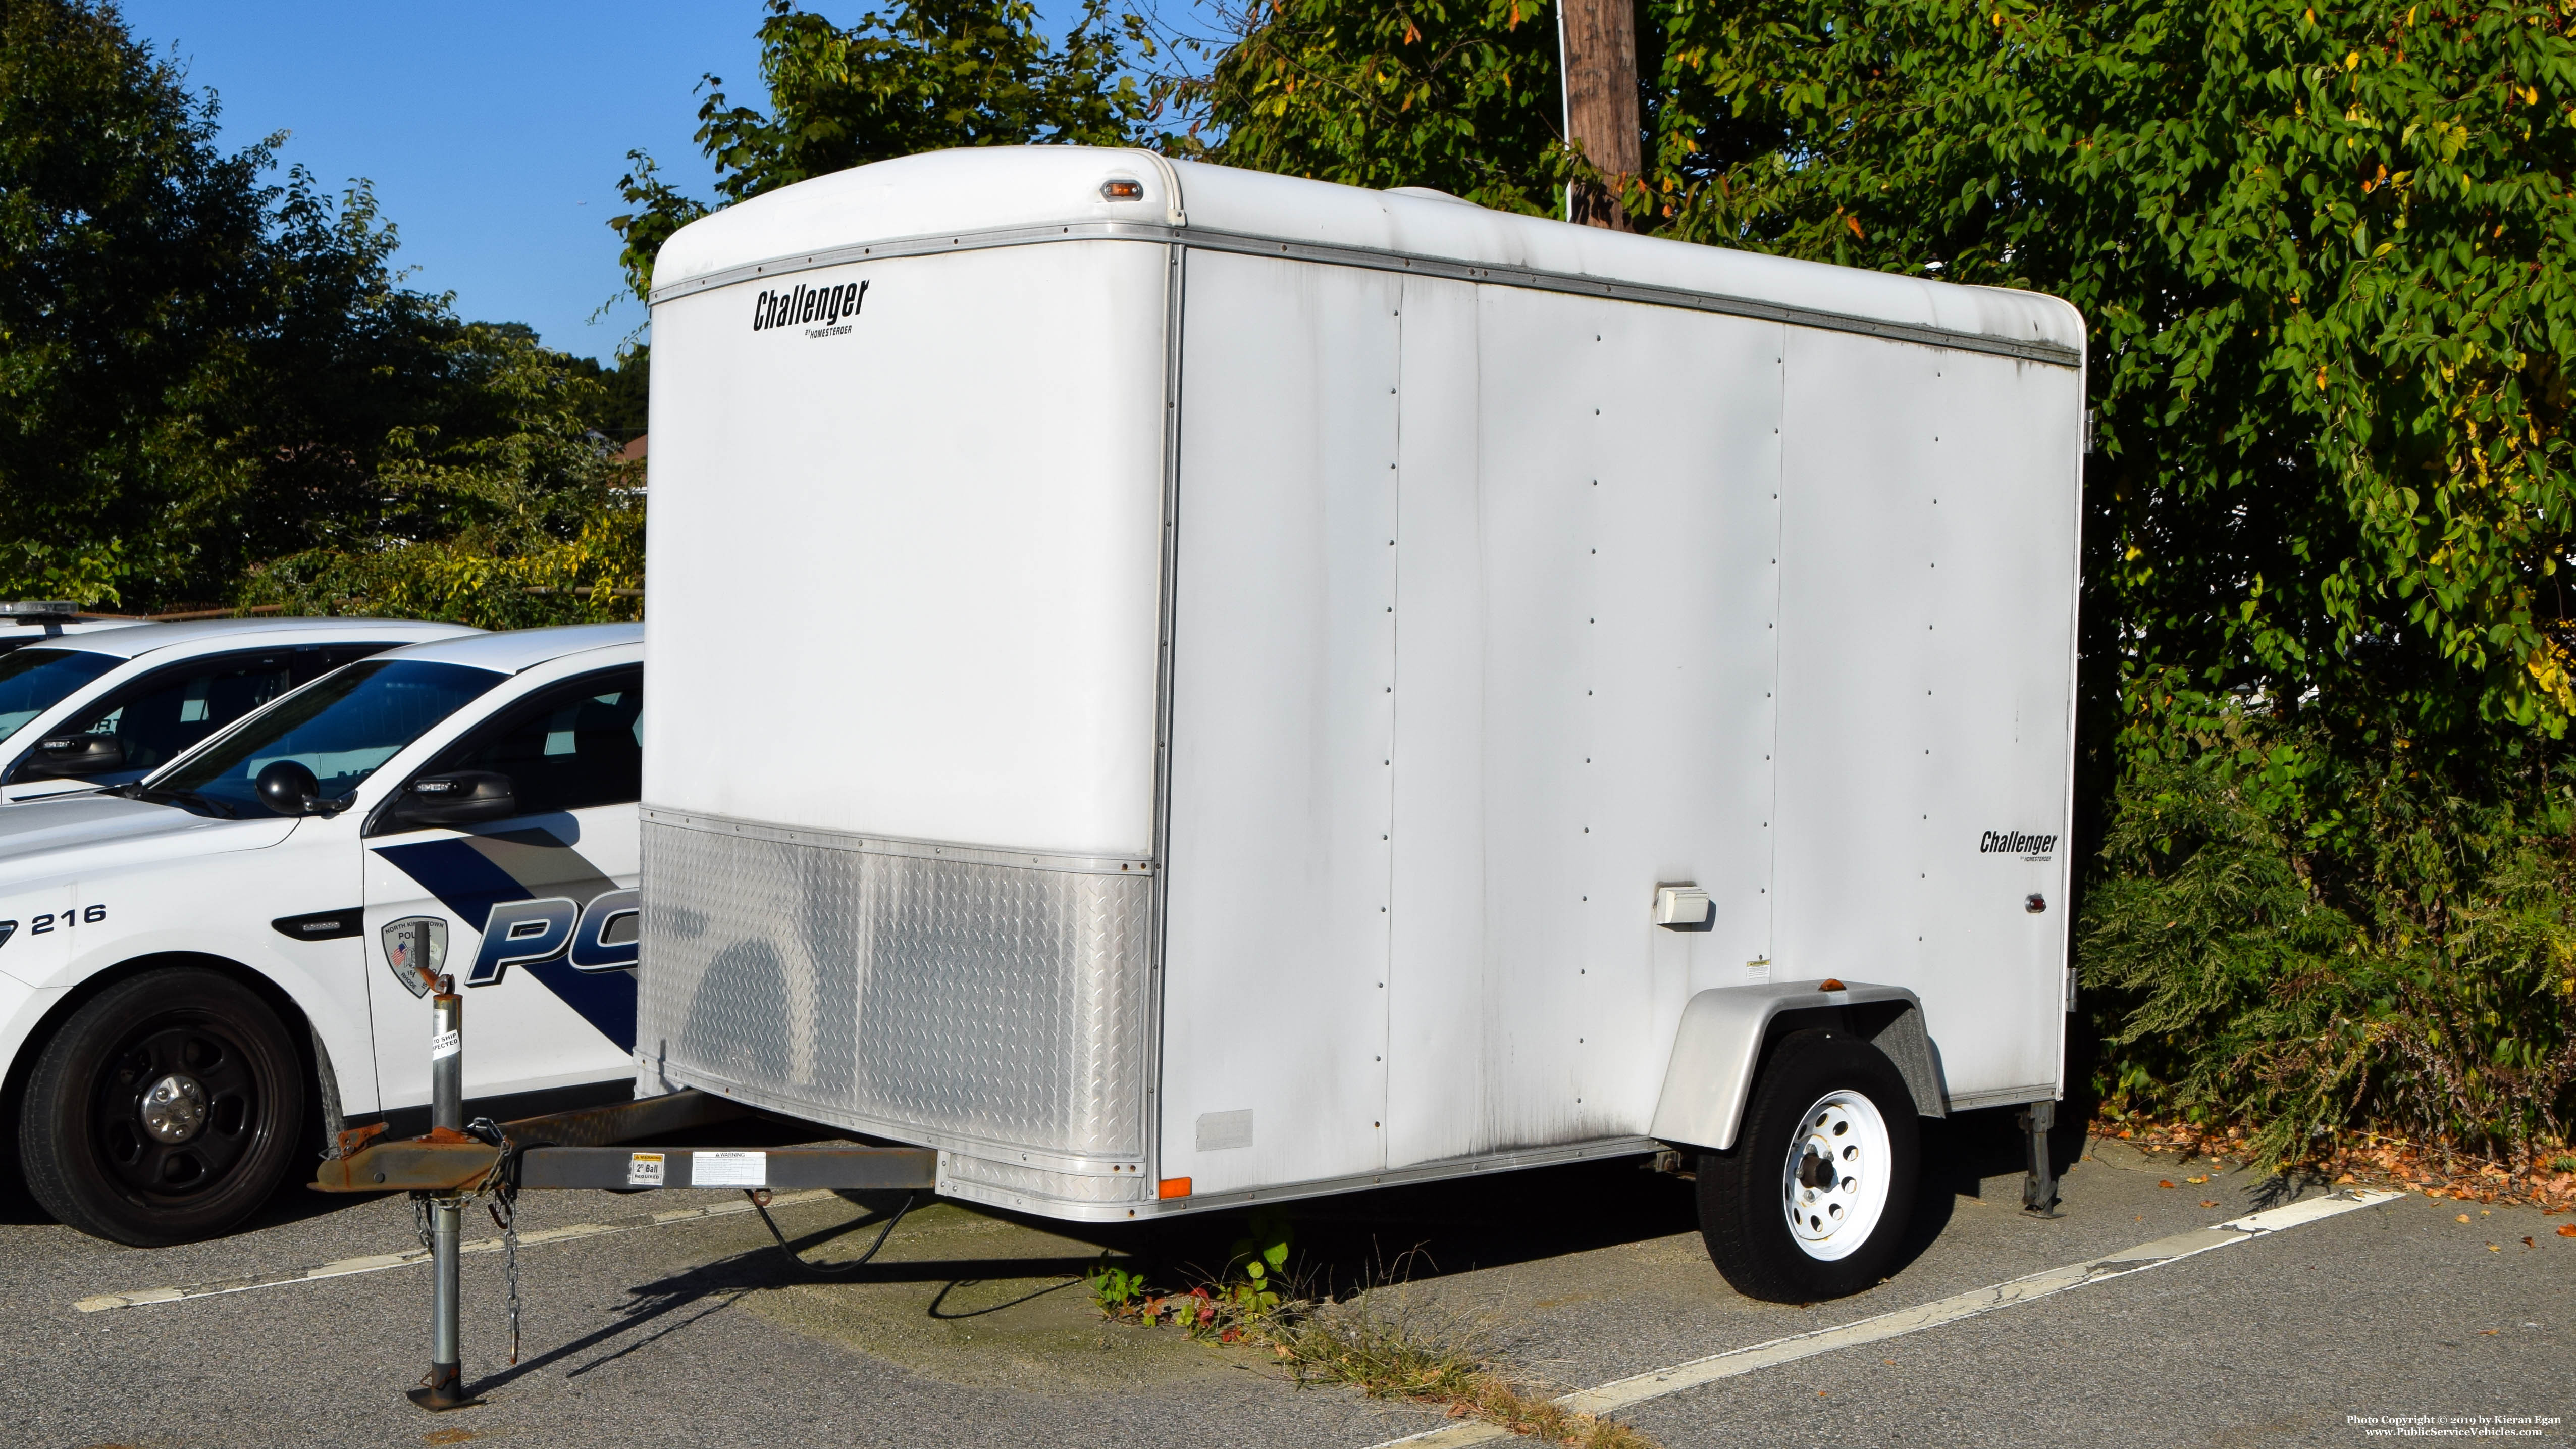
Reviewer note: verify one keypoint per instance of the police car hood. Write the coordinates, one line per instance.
(78, 834)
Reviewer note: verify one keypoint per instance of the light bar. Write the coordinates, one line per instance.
(39, 610)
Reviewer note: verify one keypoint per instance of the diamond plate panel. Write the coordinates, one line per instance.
(949, 1001)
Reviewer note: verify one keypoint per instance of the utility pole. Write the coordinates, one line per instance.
(1599, 40)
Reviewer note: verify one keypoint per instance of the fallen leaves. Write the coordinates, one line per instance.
(2209, 1202)
(2437, 1170)
(2164, 1182)
(2567, 1230)
(2528, 1243)
(2462, 1218)
(2195, 1179)
(2492, 1248)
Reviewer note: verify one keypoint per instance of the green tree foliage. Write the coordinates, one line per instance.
(919, 77)
(1463, 97)
(625, 390)
(2327, 261)
(200, 371)
(2326, 256)
(193, 365)
(533, 519)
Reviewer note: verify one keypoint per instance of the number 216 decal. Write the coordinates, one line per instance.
(45, 924)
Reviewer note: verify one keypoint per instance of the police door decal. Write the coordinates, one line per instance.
(541, 908)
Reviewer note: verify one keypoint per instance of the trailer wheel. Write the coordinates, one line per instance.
(163, 1111)
(1815, 1195)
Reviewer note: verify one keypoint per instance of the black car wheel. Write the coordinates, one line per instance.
(163, 1111)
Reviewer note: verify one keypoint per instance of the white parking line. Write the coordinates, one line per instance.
(380, 1262)
(1638, 1388)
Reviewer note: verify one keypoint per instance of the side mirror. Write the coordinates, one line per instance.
(288, 788)
(460, 797)
(59, 757)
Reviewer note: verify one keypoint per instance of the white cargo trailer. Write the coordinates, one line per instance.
(1272, 688)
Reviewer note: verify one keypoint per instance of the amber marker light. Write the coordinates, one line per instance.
(1172, 1187)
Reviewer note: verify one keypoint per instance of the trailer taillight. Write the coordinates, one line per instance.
(1172, 1187)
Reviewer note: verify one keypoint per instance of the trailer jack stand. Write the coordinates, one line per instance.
(2039, 1183)
(457, 1161)
(444, 1388)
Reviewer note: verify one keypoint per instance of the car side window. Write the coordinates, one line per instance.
(574, 746)
(165, 713)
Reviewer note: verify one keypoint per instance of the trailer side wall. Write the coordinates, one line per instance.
(1495, 610)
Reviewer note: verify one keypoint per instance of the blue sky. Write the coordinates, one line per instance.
(494, 133)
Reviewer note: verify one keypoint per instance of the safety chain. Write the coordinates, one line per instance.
(503, 1186)
(504, 1208)
(420, 1222)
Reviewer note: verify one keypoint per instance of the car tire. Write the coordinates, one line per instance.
(165, 1110)
(1814, 1198)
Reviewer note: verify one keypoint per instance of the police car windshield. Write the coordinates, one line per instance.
(341, 727)
(35, 680)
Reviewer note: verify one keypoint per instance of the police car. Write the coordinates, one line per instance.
(88, 710)
(201, 970)
(34, 621)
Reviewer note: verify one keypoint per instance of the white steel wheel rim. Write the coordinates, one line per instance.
(1833, 1186)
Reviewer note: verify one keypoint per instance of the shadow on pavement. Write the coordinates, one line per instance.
(1420, 1232)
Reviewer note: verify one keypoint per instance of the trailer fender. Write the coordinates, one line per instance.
(1724, 1030)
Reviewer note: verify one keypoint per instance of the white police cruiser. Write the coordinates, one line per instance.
(107, 708)
(202, 970)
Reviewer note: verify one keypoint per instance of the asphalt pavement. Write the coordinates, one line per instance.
(973, 1328)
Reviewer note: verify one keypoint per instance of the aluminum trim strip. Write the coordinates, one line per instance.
(1377, 259)
(1175, 301)
(908, 849)
(2003, 1097)
(1071, 1210)
(913, 1134)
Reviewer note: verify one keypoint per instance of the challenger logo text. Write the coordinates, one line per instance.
(818, 310)
(2014, 842)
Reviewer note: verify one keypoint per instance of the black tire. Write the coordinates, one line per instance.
(1745, 1193)
(101, 1158)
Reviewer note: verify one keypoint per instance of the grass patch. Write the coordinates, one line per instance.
(1389, 1340)
(1391, 1344)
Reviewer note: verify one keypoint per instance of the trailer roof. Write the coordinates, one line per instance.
(1022, 195)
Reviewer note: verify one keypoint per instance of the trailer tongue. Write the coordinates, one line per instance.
(457, 1161)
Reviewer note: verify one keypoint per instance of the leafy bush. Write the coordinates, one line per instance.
(2323, 937)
